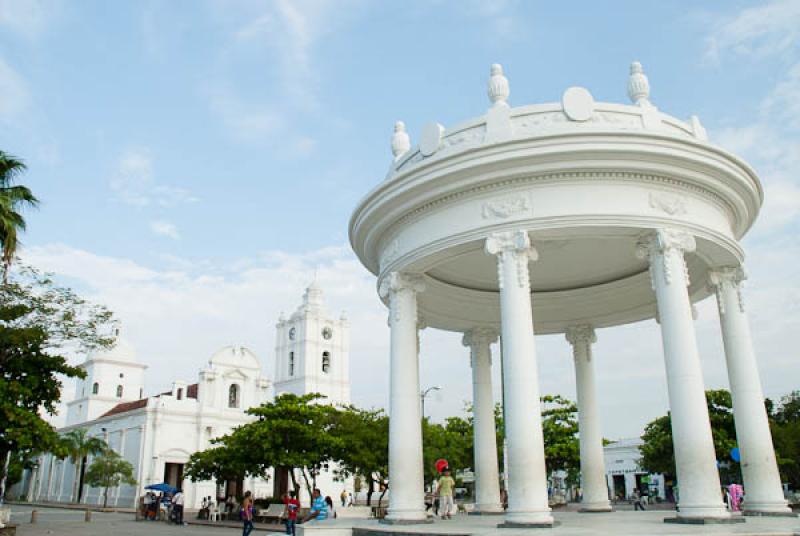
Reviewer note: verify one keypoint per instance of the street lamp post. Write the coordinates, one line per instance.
(424, 394)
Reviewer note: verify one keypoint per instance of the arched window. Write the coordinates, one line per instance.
(326, 362)
(233, 396)
(95, 388)
(291, 363)
(119, 391)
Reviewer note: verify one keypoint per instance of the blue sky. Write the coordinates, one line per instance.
(197, 160)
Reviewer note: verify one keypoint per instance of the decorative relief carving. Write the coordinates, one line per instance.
(479, 340)
(396, 283)
(727, 277)
(512, 247)
(674, 205)
(505, 208)
(469, 137)
(669, 244)
(581, 337)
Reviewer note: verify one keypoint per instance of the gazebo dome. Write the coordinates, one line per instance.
(585, 179)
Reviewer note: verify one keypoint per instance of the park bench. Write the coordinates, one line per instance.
(274, 512)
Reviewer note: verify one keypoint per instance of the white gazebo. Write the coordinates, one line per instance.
(565, 217)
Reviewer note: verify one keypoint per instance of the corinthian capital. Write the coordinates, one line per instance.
(479, 337)
(511, 242)
(512, 247)
(727, 277)
(663, 241)
(581, 334)
(398, 282)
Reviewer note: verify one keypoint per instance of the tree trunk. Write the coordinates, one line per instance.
(105, 497)
(77, 480)
(308, 484)
(293, 476)
(4, 479)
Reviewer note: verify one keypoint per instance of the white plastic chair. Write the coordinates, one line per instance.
(213, 513)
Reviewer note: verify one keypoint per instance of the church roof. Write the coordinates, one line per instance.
(236, 356)
(124, 407)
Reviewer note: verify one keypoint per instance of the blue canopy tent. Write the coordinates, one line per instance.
(163, 487)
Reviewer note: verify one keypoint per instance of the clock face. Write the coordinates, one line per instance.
(327, 333)
(292, 334)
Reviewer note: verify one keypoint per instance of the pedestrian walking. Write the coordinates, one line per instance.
(291, 507)
(444, 490)
(177, 507)
(247, 514)
(637, 500)
(343, 498)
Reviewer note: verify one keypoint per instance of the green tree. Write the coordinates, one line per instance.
(560, 431)
(296, 432)
(37, 321)
(80, 445)
(225, 462)
(109, 470)
(451, 441)
(13, 198)
(658, 455)
(363, 447)
(785, 425)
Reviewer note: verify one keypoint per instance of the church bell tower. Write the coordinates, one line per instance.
(312, 351)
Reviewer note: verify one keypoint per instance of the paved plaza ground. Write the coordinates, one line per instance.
(58, 522)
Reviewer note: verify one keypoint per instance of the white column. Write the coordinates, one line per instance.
(407, 494)
(487, 476)
(695, 460)
(762, 481)
(593, 467)
(527, 476)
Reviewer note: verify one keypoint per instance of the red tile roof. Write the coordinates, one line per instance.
(125, 407)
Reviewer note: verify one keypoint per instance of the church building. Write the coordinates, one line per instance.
(157, 434)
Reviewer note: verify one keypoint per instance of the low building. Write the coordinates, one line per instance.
(624, 473)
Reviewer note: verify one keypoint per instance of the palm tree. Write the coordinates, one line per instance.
(80, 445)
(12, 199)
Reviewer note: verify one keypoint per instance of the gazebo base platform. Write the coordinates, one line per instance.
(704, 520)
(769, 514)
(571, 523)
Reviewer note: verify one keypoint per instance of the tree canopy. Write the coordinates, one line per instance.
(109, 470)
(658, 455)
(13, 198)
(785, 425)
(40, 322)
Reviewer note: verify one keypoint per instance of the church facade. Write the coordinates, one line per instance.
(157, 434)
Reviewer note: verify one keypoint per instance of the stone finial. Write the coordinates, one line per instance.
(401, 143)
(638, 85)
(498, 86)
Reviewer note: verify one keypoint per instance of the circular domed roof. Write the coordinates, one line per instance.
(236, 356)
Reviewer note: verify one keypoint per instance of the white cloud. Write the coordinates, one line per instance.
(134, 183)
(245, 121)
(757, 32)
(178, 317)
(15, 97)
(165, 228)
